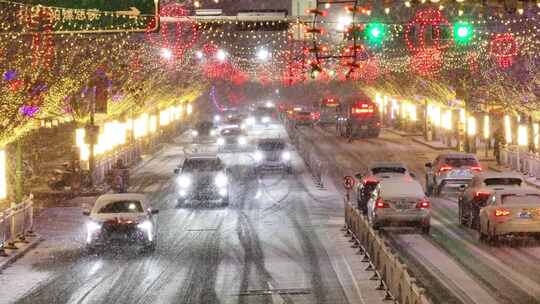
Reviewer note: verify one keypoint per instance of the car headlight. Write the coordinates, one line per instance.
(221, 180)
(184, 181)
(147, 227)
(194, 133)
(242, 141)
(91, 229)
(286, 155)
(243, 126)
(217, 118)
(220, 141)
(265, 119)
(258, 156)
(213, 133)
(250, 121)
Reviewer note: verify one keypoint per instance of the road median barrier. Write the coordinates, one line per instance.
(393, 276)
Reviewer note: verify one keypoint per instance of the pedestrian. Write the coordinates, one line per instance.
(499, 142)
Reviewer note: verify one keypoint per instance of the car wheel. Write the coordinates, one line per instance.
(180, 202)
(426, 229)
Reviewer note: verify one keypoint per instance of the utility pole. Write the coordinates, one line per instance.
(91, 131)
(19, 172)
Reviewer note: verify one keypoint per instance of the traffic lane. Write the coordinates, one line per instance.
(460, 243)
(198, 260)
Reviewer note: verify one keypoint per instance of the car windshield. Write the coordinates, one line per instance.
(127, 206)
(502, 181)
(271, 146)
(206, 125)
(231, 132)
(379, 170)
(457, 162)
(513, 199)
(194, 165)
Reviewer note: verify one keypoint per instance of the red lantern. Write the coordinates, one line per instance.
(504, 48)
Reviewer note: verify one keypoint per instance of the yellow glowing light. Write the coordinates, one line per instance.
(507, 129)
(140, 128)
(462, 116)
(189, 109)
(79, 137)
(3, 181)
(471, 126)
(536, 138)
(164, 118)
(434, 114)
(129, 124)
(379, 101)
(523, 136)
(153, 123)
(84, 152)
(412, 112)
(446, 121)
(486, 127)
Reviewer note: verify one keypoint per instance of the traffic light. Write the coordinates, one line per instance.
(463, 32)
(374, 33)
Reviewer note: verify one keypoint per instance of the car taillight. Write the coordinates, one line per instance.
(476, 169)
(481, 195)
(423, 204)
(362, 111)
(381, 204)
(502, 212)
(445, 169)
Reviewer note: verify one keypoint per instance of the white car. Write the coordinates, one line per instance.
(510, 212)
(399, 202)
(123, 218)
(273, 154)
(451, 171)
(482, 187)
(203, 177)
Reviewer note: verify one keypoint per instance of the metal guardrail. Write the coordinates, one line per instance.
(521, 161)
(314, 164)
(395, 280)
(16, 223)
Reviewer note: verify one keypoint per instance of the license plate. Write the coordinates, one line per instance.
(525, 215)
(458, 173)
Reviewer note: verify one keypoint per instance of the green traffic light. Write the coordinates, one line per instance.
(463, 32)
(374, 33)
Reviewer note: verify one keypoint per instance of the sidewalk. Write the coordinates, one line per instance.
(13, 255)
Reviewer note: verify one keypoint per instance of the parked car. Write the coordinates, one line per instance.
(451, 170)
(399, 202)
(203, 176)
(510, 212)
(272, 154)
(123, 218)
(482, 187)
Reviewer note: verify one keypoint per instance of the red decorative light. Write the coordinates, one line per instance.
(504, 48)
(43, 52)
(185, 33)
(425, 18)
(427, 62)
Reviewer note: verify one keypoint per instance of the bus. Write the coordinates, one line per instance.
(358, 117)
(328, 110)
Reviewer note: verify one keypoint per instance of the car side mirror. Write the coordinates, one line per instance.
(86, 212)
(176, 170)
(429, 165)
(358, 176)
(154, 211)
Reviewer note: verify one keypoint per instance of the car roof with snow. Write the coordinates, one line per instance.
(516, 191)
(401, 187)
(454, 155)
(106, 199)
(383, 164)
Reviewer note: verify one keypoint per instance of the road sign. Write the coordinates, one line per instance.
(79, 16)
(348, 182)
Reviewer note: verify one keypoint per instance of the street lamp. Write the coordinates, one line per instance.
(263, 55)
(221, 55)
(166, 54)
